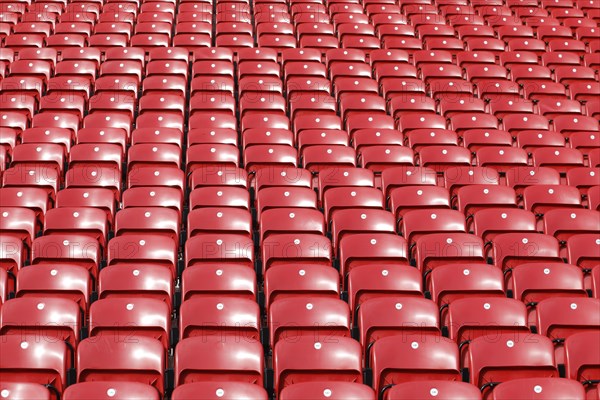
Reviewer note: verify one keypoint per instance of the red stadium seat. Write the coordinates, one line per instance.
(490, 362)
(223, 360)
(13, 254)
(560, 318)
(144, 249)
(19, 223)
(581, 359)
(222, 248)
(138, 221)
(417, 140)
(581, 250)
(107, 390)
(327, 390)
(210, 280)
(39, 362)
(373, 280)
(447, 283)
(420, 222)
(520, 177)
(472, 198)
(561, 160)
(543, 198)
(349, 221)
(132, 318)
(19, 390)
(404, 199)
(284, 281)
(493, 316)
(286, 220)
(32, 175)
(292, 318)
(220, 317)
(296, 248)
(582, 178)
(285, 196)
(225, 390)
(457, 177)
(340, 198)
(395, 360)
(78, 220)
(535, 140)
(593, 195)
(380, 158)
(307, 360)
(104, 359)
(542, 388)
(432, 389)
(407, 176)
(219, 220)
(396, 317)
(45, 320)
(436, 249)
(128, 281)
(564, 223)
(490, 222)
(221, 196)
(69, 249)
(511, 249)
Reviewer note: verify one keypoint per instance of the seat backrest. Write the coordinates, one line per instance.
(436, 249)
(510, 356)
(448, 390)
(582, 250)
(131, 318)
(234, 280)
(223, 390)
(581, 357)
(149, 248)
(391, 316)
(286, 248)
(395, 360)
(316, 281)
(511, 249)
(107, 390)
(450, 282)
(319, 318)
(42, 319)
(490, 222)
(534, 282)
(541, 388)
(220, 316)
(371, 248)
(31, 361)
(307, 360)
(222, 360)
(105, 359)
(493, 316)
(20, 390)
(326, 390)
(131, 281)
(560, 318)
